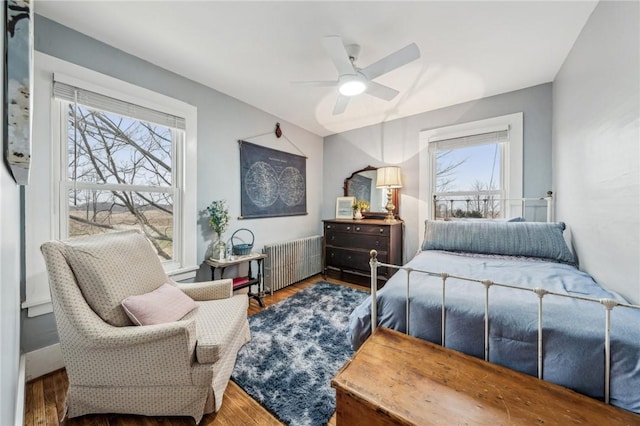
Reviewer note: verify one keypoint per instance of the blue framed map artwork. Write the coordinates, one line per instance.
(273, 183)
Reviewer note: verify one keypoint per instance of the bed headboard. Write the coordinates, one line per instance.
(472, 207)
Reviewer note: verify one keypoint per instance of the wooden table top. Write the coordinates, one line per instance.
(413, 381)
(235, 260)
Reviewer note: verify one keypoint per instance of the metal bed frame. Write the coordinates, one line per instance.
(608, 304)
(524, 203)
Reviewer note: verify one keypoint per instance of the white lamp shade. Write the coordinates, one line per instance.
(389, 177)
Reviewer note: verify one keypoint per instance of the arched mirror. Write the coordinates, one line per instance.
(362, 185)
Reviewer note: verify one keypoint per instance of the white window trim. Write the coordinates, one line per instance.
(513, 151)
(42, 196)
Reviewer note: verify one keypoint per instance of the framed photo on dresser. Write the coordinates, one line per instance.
(344, 207)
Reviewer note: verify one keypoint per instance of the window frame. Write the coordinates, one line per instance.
(43, 194)
(512, 167)
(66, 183)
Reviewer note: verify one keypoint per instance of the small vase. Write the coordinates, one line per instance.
(357, 215)
(219, 249)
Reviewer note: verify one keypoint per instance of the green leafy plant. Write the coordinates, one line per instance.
(219, 217)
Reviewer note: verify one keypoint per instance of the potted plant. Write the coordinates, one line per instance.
(358, 207)
(219, 219)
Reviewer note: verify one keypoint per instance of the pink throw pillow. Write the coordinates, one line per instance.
(164, 304)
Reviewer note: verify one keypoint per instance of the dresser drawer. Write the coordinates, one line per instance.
(330, 228)
(371, 229)
(367, 242)
(351, 259)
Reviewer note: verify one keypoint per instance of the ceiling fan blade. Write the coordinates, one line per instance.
(381, 91)
(341, 104)
(315, 83)
(390, 62)
(339, 56)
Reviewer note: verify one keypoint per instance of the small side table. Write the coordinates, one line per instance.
(242, 282)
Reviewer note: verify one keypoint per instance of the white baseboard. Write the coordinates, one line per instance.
(20, 396)
(43, 361)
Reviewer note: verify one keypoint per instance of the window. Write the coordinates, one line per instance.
(119, 171)
(473, 169)
(108, 155)
(468, 177)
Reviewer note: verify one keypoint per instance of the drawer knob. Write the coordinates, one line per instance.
(381, 230)
(328, 226)
(348, 228)
(358, 228)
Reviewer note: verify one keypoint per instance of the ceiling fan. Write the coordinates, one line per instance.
(352, 80)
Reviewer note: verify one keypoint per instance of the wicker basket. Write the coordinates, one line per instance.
(241, 249)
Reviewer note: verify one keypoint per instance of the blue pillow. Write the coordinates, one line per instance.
(533, 239)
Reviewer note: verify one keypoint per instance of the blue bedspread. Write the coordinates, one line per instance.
(573, 330)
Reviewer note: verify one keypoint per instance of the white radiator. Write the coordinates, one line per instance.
(291, 261)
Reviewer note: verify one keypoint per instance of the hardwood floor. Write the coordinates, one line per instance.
(44, 396)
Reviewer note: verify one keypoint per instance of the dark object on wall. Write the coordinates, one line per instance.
(273, 183)
(360, 187)
(19, 87)
(376, 195)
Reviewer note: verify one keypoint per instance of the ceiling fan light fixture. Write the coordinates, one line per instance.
(352, 86)
(353, 80)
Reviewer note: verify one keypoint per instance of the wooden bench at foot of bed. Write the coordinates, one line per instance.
(395, 379)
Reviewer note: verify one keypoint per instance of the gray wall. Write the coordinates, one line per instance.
(396, 142)
(596, 157)
(10, 249)
(222, 120)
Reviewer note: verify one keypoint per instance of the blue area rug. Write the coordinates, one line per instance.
(296, 348)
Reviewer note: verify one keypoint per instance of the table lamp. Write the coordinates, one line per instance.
(390, 178)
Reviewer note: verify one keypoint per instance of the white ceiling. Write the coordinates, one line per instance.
(254, 50)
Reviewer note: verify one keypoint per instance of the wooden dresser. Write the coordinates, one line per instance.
(395, 379)
(347, 244)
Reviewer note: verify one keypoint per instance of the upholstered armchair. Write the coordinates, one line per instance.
(175, 368)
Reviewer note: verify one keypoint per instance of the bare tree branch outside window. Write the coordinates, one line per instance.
(445, 171)
(460, 186)
(106, 149)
